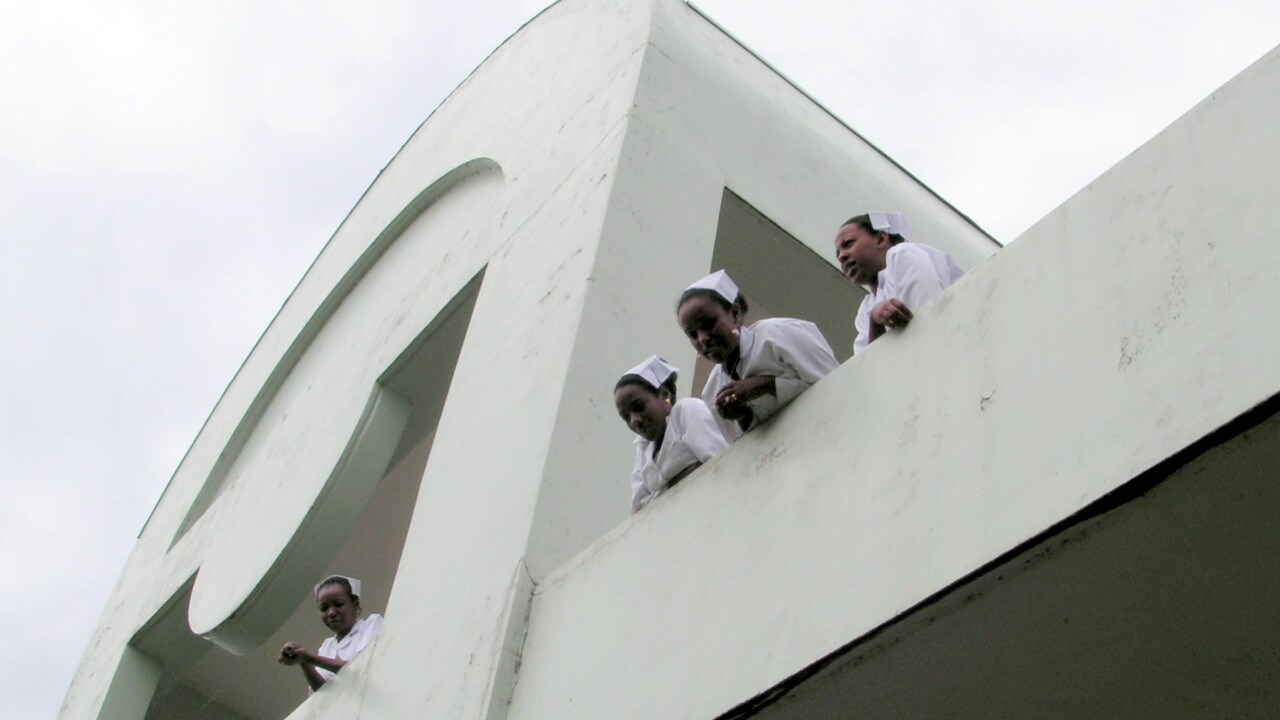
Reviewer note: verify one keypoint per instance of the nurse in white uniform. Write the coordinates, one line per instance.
(899, 276)
(759, 367)
(672, 437)
(338, 599)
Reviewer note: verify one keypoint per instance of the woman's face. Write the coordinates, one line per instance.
(711, 329)
(643, 410)
(861, 254)
(337, 611)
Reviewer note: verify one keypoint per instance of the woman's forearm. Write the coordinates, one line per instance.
(314, 678)
(328, 663)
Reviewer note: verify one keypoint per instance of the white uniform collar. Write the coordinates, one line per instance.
(356, 627)
(879, 276)
(646, 445)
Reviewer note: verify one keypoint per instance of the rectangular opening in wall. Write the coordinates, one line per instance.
(782, 277)
(202, 680)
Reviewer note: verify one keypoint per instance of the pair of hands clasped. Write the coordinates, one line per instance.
(732, 400)
(293, 654)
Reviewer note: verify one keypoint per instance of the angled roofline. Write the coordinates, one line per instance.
(142, 530)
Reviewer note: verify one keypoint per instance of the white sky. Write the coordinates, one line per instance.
(169, 170)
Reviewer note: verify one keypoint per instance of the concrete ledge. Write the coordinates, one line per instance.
(1130, 323)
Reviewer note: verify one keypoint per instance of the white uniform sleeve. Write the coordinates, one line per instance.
(862, 324)
(370, 632)
(640, 495)
(916, 278)
(328, 648)
(799, 345)
(698, 429)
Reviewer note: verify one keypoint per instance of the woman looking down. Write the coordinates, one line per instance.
(672, 437)
(338, 600)
(759, 367)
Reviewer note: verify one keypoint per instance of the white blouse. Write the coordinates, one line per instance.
(793, 352)
(914, 274)
(692, 436)
(360, 636)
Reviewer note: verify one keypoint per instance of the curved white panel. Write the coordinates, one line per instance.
(325, 436)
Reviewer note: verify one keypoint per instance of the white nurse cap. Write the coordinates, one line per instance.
(654, 371)
(892, 223)
(354, 583)
(719, 283)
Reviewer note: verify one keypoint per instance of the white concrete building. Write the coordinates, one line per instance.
(1053, 496)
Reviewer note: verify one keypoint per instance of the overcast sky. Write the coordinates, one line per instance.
(169, 170)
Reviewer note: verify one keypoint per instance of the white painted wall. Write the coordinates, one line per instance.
(581, 168)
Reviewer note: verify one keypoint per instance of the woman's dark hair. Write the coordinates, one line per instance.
(741, 302)
(864, 222)
(340, 582)
(633, 379)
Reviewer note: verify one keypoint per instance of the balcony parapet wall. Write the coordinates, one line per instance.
(1132, 321)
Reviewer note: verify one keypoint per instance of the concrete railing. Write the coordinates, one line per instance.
(1129, 323)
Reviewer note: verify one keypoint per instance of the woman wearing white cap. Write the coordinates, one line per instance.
(672, 437)
(759, 367)
(338, 599)
(898, 276)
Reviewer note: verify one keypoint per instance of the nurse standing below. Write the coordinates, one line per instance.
(338, 599)
(759, 367)
(899, 276)
(672, 437)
